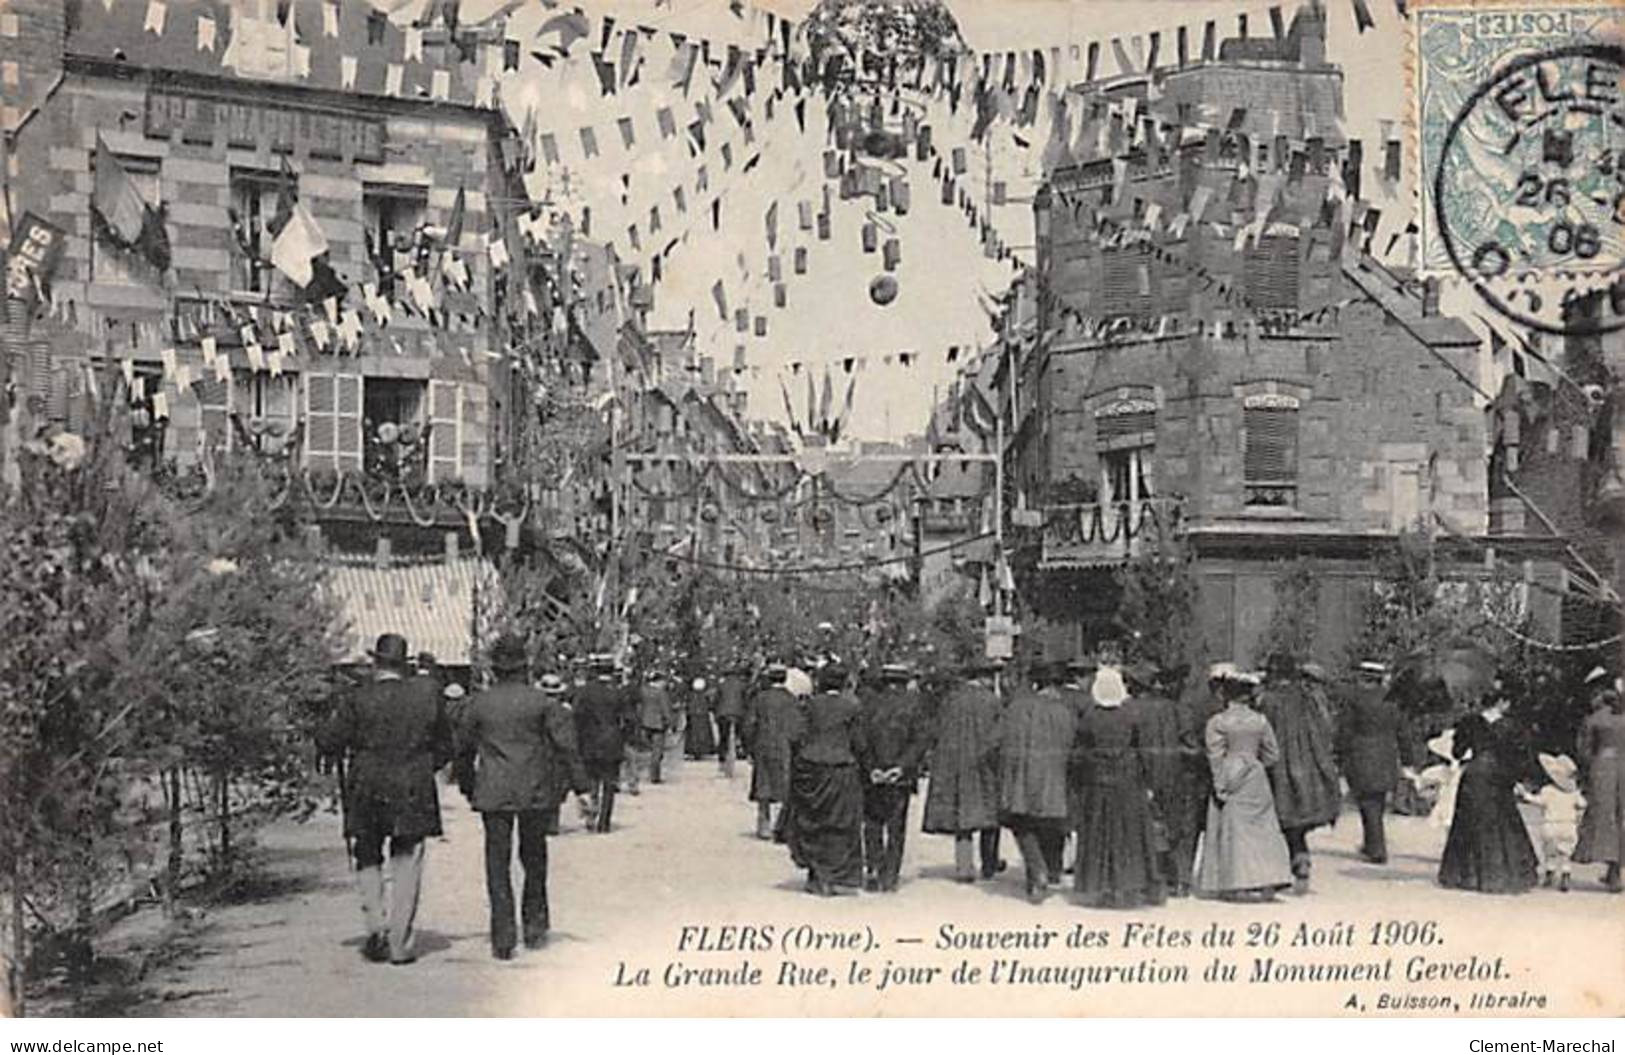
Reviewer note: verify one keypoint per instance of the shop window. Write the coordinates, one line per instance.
(124, 267)
(1270, 451)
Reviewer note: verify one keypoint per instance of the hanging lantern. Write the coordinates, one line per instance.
(883, 290)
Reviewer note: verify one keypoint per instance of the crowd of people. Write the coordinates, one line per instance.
(1160, 789)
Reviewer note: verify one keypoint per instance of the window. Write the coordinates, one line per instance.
(1271, 272)
(391, 216)
(392, 413)
(122, 267)
(1126, 440)
(254, 195)
(267, 406)
(1270, 450)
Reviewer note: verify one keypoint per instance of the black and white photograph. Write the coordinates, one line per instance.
(812, 509)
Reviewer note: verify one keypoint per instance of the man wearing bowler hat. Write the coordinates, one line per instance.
(602, 716)
(522, 746)
(395, 734)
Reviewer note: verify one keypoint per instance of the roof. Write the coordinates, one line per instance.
(247, 47)
(431, 605)
(1434, 330)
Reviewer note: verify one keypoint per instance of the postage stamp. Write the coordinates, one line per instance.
(1520, 132)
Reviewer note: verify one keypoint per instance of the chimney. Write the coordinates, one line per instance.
(1430, 298)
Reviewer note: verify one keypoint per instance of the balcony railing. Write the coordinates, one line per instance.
(1105, 533)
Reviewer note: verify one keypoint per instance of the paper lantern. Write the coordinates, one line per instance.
(883, 290)
(871, 237)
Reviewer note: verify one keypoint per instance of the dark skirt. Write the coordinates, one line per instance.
(1117, 864)
(824, 824)
(770, 773)
(699, 738)
(1488, 848)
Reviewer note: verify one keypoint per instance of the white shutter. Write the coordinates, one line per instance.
(445, 431)
(321, 421)
(215, 402)
(347, 421)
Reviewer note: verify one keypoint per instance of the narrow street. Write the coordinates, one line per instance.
(683, 855)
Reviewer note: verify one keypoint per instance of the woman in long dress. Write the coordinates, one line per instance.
(824, 826)
(1244, 855)
(1602, 751)
(1117, 864)
(699, 738)
(1488, 848)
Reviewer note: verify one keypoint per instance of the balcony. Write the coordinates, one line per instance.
(1094, 534)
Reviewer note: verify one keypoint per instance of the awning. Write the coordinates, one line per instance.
(430, 604)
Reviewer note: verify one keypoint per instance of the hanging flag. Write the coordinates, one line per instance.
(566, 29)
(121, 215)
(454, 226)
(789, 412)
(824, 407)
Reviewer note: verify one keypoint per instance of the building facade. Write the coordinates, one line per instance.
(1205, 349)
(221, 115)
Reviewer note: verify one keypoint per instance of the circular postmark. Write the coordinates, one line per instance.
(1529, 192)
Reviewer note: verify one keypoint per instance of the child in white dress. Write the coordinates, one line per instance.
(1561, 805)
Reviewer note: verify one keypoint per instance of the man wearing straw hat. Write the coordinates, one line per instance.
(522, 743)
(1369, 750)
(395, 734)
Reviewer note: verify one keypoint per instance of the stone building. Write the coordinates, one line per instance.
(399, 391)
(1205, 348)
(220, 113)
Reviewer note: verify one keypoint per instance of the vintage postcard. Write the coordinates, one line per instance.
(813, 508)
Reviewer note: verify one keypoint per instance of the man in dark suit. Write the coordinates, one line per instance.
(521, 744)
(890, 743)
(602, 715)
(729, 713)
(394, 734)
(1370, 755)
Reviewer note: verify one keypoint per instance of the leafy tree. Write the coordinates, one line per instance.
(1292, 626)
(1157, 608)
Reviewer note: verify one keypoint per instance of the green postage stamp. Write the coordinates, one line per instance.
(1520, 135)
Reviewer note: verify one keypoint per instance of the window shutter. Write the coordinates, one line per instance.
(347, 421)
(1271, 268)
(445, 431)
(1110, 427)
(321, 421)
(214, 400)
(1271, 451)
